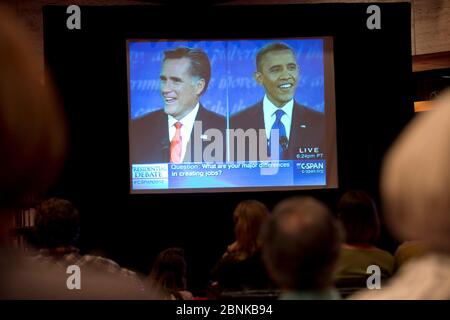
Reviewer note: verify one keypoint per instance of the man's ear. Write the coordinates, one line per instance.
(199, 86)
(258, 77)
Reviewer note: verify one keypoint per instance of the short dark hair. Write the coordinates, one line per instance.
(274, 46)
(57, 223)
(301, 244)
(358, 214)
(200, 65)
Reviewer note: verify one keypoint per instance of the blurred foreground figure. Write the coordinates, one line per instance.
(415, 186)
(409, 250)
(32, 126)
(32, 148)
(32, 145)
(301, 243)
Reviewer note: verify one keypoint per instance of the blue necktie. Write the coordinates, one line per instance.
(278, 125)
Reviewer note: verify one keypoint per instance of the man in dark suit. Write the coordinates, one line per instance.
(184, 128)
(289, 129)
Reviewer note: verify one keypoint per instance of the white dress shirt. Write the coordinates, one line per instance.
(187, 124)
(269, 115)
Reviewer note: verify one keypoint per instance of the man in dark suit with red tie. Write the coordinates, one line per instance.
(181, 131)
(300, 129)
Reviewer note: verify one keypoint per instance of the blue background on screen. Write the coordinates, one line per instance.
(232, 87)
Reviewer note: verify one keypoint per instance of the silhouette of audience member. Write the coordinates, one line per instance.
(168, 275)
(57, 228)
(57, 225)
(241, 267)
(301, 247)
(44, 276)
(415, 185)
(358, 213)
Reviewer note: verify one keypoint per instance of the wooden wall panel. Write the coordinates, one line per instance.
(431, 25)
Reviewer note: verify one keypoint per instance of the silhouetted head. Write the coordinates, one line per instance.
(359, 216)
(249, 217)
(169, 270)
(301, 244)
(57, 223)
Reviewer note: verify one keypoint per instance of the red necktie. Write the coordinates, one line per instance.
(175, 144)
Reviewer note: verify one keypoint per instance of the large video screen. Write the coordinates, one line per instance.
(231, 115)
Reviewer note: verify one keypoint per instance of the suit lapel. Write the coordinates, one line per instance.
(259, 116)
(200, 117)
(296, 129)
(189, 155)
(163, 136)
